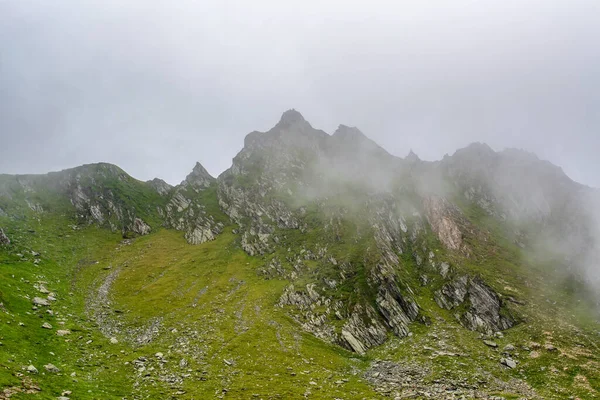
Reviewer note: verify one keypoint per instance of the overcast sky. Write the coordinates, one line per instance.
(155, 86)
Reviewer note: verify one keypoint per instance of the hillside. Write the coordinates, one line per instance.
(316, 266)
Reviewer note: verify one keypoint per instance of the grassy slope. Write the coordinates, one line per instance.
(234, 316)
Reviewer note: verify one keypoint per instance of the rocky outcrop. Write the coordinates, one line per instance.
(186, 207)
(363, 330)
(140, 227)
(397, 308)
(314, 311)
(442, 217)
(200, 234)
(479, 307)
(4, 240)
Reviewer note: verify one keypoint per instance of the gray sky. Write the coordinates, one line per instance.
(154, 86)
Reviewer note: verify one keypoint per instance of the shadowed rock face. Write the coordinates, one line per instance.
(4, 240)
(482, 306)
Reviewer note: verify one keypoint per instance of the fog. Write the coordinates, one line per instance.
(154, 86)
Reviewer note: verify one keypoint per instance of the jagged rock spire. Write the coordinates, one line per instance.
(199, 177)
(412, 156)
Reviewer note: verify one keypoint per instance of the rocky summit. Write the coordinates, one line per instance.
(316, 266)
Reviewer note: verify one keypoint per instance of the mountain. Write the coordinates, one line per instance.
(316, 266)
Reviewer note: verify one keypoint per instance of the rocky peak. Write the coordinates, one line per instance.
(350, 132)
(291, 132)
(352, 143)
(199, 177)
(351, 135)
(160, 186)
(479, 153)
(412, 157)
(290, 118)
(94, 171)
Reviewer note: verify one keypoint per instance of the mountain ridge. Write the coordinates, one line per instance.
(312, 249)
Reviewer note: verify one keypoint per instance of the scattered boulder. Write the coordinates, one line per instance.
(114, 340)
(509, 348)
(549, 347)
(509, 362)
(63, 332)
(490, 343)
(32, 370)
(51, 368)
(534, 354)
(46, 325)
(38, 301)
(42, 289)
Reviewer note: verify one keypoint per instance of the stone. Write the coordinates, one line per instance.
(46, 325)
(509, 362)
(63, 332)
(353, 342)
(51, 368)
(490, 343)
(113, 340)
(42, 289)
(38, 301)
(32, 370)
